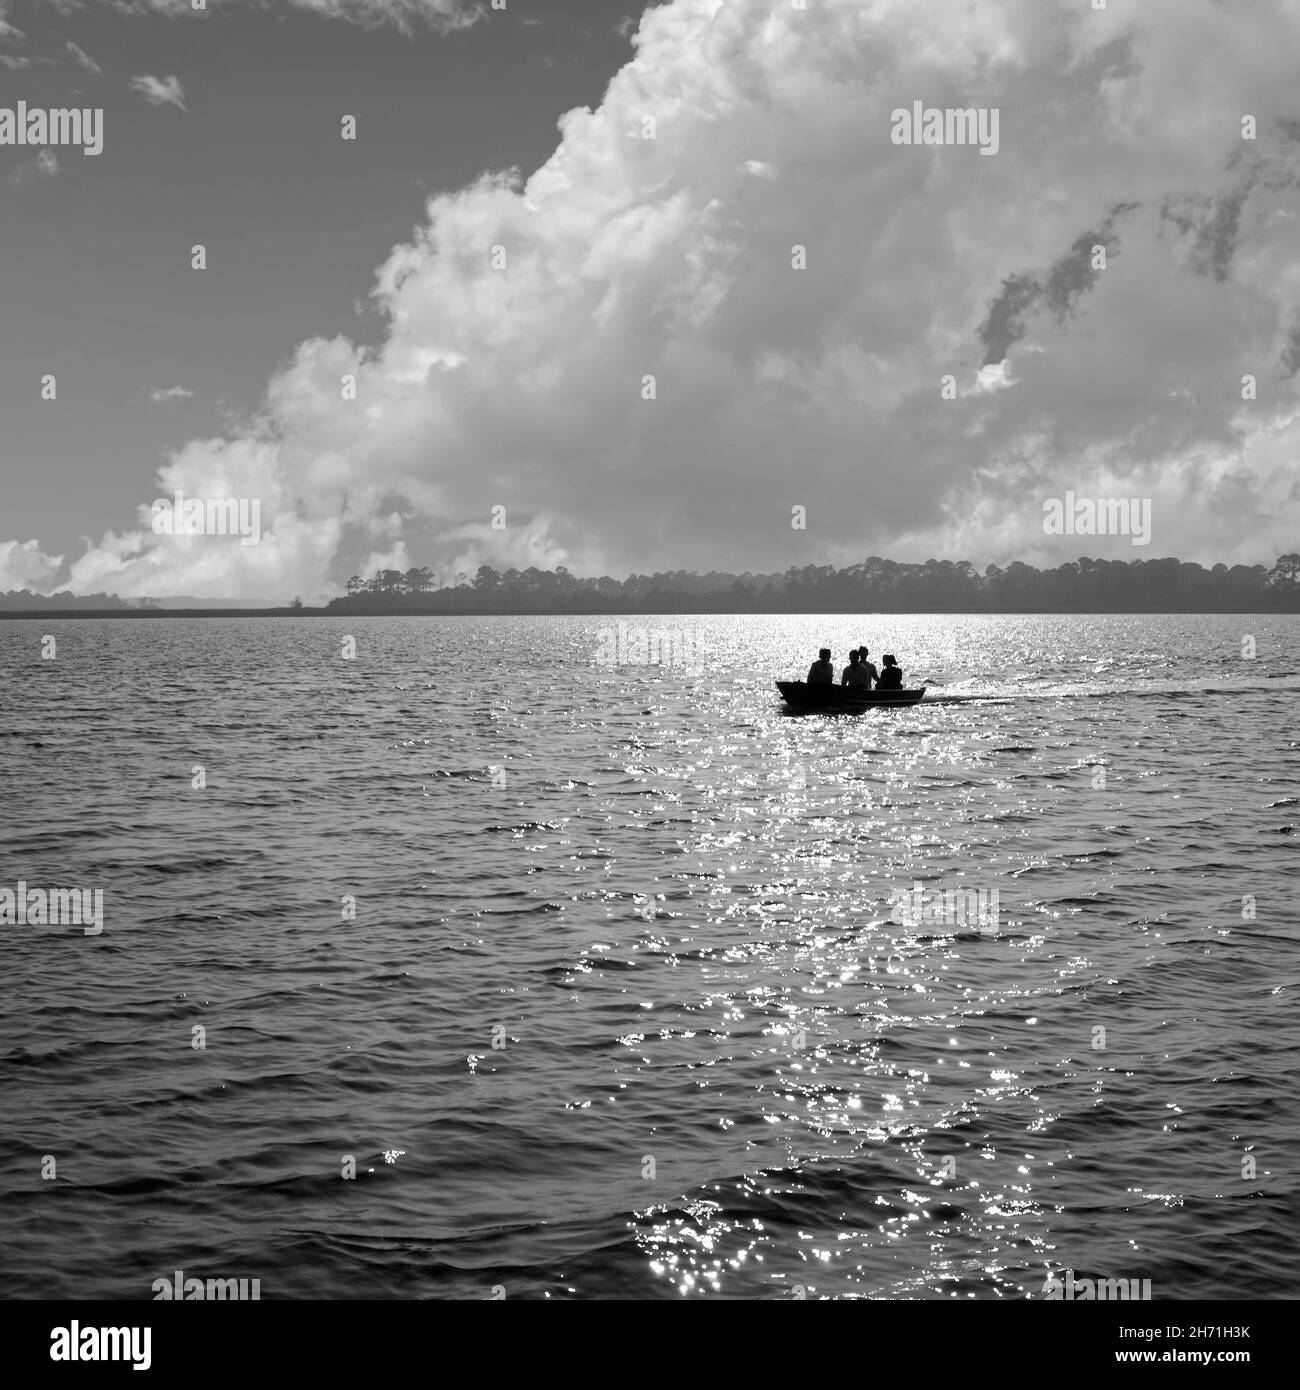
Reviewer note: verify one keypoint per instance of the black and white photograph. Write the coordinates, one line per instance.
(649, 652)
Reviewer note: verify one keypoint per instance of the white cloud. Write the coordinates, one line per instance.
(627, 257)
(394, 559)
(160, 91)
(23, 565)
(170, 393)
(80, 56)
(13, 61)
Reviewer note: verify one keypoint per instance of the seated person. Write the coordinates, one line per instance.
(891, 678)
(868, 666)
(855, 674)
(821, 672)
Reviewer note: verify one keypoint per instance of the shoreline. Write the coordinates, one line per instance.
(583, 612)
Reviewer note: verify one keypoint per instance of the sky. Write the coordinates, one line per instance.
(629, 288)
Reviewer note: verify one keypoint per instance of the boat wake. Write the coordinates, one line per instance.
(1163, 690)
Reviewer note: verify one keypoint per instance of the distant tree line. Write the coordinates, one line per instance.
(20, 599)
(874, 585)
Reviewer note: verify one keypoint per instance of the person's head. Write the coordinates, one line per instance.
(888, 660)
(863, 653)
(854, 658)
(824, 654)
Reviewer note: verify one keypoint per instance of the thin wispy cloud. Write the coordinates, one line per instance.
(80, 56)
(160, 91)
(44, 166)
(442, 14)
(12, 61)
(405, 14)
(170, 393)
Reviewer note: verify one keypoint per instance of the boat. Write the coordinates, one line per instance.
(801, 695)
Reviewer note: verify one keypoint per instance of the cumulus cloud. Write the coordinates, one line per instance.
(525, 318)
(170, 393)
(159, 91)
(23, 565)
(80, 56)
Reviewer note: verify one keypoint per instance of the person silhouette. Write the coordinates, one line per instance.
(891, 678)
(822, 672)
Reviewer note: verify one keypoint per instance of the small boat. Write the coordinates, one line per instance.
(801, 695)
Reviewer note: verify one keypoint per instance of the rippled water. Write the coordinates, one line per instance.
(726, 1070)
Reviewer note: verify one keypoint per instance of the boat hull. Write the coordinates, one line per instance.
(801, 695)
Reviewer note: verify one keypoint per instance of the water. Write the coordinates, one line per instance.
(726, 1071)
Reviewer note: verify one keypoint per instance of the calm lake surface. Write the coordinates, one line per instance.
(625, 1008)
